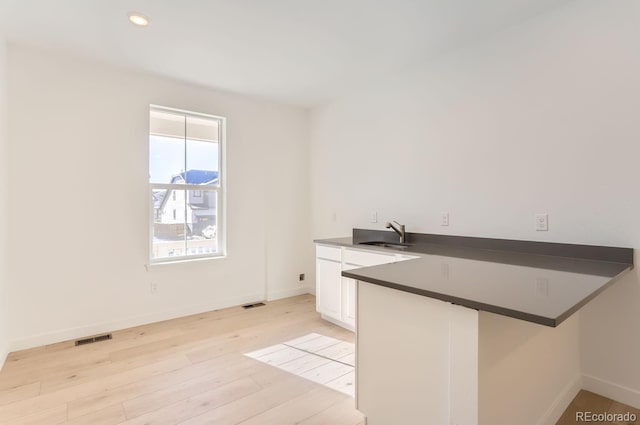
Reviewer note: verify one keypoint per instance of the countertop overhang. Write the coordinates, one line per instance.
(539, 282)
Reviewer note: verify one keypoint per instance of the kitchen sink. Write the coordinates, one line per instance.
(384, 244)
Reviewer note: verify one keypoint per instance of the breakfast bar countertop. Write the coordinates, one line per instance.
(539, 282)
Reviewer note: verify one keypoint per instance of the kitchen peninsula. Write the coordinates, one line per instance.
(472, 330)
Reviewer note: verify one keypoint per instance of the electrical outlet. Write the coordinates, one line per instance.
(374, 217)
(301, 277)
(153, 287)
(542, 222)
(444, 219)
(444, 268)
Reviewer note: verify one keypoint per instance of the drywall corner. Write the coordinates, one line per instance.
(4, 194)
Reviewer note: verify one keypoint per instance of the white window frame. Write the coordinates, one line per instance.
(221, 189)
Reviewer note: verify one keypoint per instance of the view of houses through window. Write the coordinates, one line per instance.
(185, 151)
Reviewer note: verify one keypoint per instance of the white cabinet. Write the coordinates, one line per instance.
(417, 360)
(333, 253)
(349, 301)
(356, 257)
(329, 288)
(336, 295)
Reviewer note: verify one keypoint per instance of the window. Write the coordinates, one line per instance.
(186, 183)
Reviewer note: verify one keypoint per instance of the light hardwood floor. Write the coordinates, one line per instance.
(189, 371)
(588, 401)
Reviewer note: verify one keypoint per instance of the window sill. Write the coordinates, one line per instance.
(182, 260)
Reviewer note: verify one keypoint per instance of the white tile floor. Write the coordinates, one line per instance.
(322, 359)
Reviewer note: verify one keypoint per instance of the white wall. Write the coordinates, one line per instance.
(527, 373)
(4, 209)
(610, 340)
(289, 248)
(79, 212)
(540, 118)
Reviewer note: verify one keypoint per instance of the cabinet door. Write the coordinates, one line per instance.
(349, 301)
(329, 288)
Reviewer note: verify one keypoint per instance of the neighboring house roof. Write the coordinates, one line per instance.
(201, 177)
(196, 177)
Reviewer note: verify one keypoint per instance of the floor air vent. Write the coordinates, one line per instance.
(93, 339)
(248, 306)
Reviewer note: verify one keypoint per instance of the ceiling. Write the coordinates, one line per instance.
(296, 51)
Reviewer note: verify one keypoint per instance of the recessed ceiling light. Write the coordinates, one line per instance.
(138, 19)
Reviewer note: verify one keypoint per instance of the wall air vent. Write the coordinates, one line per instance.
(248, 306)
(93, 339)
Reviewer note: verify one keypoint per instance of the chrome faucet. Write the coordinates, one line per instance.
(398, 228)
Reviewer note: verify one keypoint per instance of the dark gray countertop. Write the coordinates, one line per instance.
(544, 289)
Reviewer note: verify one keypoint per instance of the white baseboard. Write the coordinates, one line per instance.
(83, 331)
(286, 293)
(311, 289)
(4, 352)
(562, 401)
(611, 390)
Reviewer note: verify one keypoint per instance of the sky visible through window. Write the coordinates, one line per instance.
(167, 157)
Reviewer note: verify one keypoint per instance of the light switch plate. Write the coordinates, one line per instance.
(374, 217)
(542, 222)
